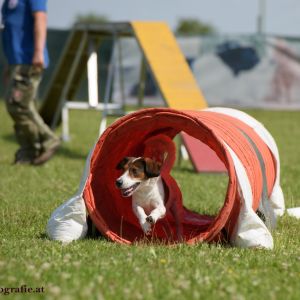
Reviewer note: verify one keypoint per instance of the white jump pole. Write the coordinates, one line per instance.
(92, 72)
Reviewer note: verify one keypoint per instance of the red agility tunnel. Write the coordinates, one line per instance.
(112, 214)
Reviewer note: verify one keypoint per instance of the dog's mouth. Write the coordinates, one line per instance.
(129, 191)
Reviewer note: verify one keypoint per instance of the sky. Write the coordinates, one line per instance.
(227, 16)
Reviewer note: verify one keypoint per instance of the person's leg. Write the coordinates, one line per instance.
(33, 135)
(49, 142)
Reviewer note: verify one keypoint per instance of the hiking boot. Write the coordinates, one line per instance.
(22, 161)
(47, 153)
(23, 157)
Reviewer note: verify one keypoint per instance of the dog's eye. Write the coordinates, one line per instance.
(134, 172)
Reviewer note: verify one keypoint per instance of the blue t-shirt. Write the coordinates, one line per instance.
(18, 33)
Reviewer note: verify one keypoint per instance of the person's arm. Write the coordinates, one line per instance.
(40, 34)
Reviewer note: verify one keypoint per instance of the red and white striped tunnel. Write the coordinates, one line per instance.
(243, 145)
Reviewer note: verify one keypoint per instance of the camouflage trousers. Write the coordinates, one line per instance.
(33, 135)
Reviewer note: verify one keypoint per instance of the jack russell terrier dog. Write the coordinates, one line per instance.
(141, 180)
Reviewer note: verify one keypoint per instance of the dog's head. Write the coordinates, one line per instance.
(136, 172)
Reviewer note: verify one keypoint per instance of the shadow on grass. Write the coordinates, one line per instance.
(9, 138)
(42, 236)
(96, 238)
(90, 236)
(61, 152)
(66, 152)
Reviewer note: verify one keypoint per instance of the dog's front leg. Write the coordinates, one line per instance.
(140, 213)
(156, 214)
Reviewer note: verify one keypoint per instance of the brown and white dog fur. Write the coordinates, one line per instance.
(141, 180)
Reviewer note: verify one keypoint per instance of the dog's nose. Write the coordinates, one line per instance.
(119, 182)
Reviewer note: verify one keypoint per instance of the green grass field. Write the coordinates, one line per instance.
(99, 269)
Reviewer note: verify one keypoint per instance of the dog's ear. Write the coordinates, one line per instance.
(152, 167)
(123, 163)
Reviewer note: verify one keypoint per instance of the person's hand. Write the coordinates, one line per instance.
(38, 59)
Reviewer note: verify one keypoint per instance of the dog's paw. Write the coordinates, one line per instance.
(146, 228)
(150, 220)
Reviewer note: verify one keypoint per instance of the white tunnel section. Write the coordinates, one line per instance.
(68, 222)
(276, 197)
(250, 231)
